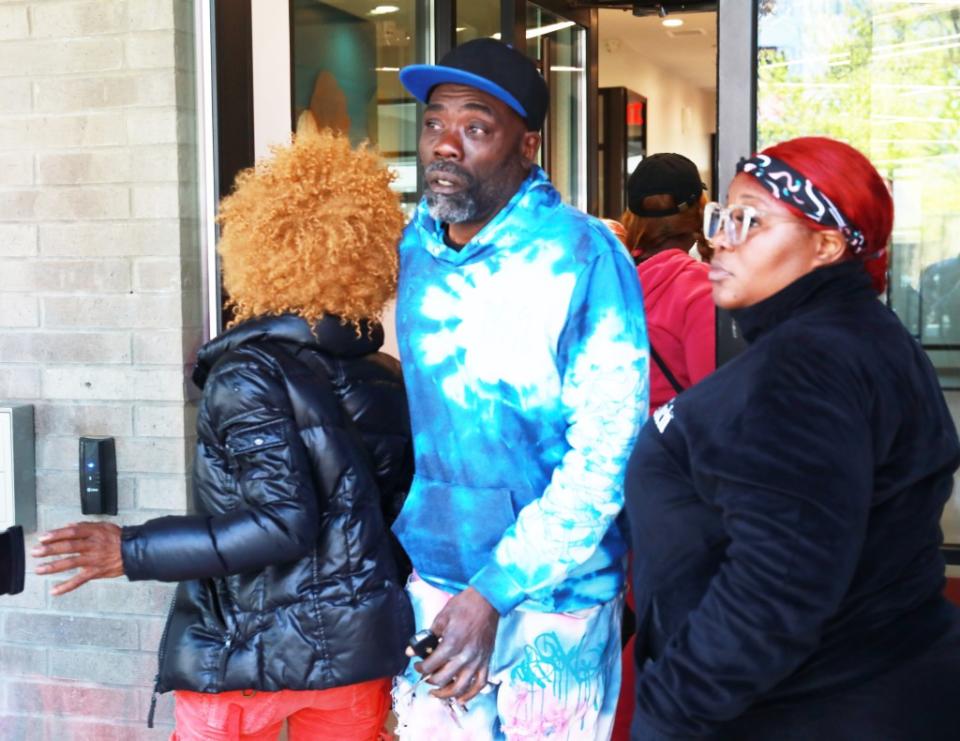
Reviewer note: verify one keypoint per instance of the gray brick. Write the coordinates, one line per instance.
(76, 20)
(157, 275)
(72, 94)
(73, 700)
(65, 347)
(19, 383)
(22, 661)
(152, 126)
(150, 50)
(151, 455)
(156, 164)
(151, 632)
(164, 711)
(31, 727)
(51, 518)
(164, 348)
(19, 310)
(91, 276)
(120, 597)
(15, 94)
(59, 488)
(57, 452)
(83, 419)
(17, 240)
(142, 238)
(121, 311)
(168, 493)
(78, 168)
(16, 168)
(33, 597)
(151, 15)
(125, 668)
(14, 23)
(55, 56)
(71, 630)
(56, 132)
(66, 203)
(155, 201)
(162, 420)
(112, 384)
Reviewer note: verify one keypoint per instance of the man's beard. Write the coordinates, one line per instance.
(477, 200)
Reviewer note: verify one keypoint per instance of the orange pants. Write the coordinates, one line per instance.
(353, 713)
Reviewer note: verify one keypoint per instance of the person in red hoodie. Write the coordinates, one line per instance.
(661, 226)
(663, 223)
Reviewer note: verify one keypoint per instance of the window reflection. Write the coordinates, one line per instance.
(884, 76)
(347, 56)
(559, 47)
(477, 19)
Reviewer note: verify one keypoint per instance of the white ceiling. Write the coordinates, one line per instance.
(692, 57)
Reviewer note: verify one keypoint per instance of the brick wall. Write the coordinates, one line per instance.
(99, 316)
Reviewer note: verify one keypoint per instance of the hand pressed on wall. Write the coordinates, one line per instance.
(91, 547)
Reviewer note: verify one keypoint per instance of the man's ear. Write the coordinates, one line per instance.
(831, 247)
(529, 146)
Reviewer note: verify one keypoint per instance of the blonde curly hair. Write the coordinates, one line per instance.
(312, 231)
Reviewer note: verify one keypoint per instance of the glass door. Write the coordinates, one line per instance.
(559, 46)
(883, 76)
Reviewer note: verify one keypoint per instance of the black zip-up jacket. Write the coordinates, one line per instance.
(287, 577)
(785, 514)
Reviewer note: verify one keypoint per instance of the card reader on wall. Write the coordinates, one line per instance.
(98, 476)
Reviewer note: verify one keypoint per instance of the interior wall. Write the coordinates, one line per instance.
(680, 116)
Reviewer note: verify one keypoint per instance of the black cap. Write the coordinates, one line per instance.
(664, 173)
(491, 66)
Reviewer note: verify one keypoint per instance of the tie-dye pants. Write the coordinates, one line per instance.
(552, 675)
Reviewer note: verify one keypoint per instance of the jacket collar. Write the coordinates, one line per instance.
(835, 284)
(521, 214)
(328, 335)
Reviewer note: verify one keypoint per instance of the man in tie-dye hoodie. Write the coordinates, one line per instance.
(524, 352)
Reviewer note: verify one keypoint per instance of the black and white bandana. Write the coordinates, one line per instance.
(789, 186)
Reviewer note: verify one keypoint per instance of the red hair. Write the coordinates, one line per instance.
(855, 187)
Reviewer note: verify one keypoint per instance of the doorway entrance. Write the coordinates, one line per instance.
(658, 93)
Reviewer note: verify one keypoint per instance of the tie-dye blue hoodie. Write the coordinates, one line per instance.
(525, 360)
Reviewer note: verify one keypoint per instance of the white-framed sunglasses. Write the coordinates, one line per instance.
(735, 220)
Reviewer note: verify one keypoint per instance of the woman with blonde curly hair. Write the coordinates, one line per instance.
(290, 606)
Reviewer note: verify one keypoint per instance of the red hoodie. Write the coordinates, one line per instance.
(681, 319)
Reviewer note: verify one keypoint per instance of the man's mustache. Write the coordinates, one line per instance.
(449, 168)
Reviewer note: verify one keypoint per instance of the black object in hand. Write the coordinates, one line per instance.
(422, 643)
(12, 561)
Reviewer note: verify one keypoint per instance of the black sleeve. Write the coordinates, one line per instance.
(278, 520)
(793, 478)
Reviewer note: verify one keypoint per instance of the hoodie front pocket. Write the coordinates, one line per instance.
(450, 530)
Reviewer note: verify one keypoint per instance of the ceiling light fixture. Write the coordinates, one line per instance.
(533, 33)
(383, 10)
(672, 22)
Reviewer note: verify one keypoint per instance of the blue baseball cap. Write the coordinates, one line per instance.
(491, 66)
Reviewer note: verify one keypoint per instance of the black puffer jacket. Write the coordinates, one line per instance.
(287, 575)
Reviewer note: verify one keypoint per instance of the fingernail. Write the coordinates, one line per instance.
(40, 570)
(36, 551)
(44, 537)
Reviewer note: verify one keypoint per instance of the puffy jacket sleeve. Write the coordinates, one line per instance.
(603, 358)
(793, 477)
(276, 519)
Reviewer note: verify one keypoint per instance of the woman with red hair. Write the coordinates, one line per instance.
(785, 510)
